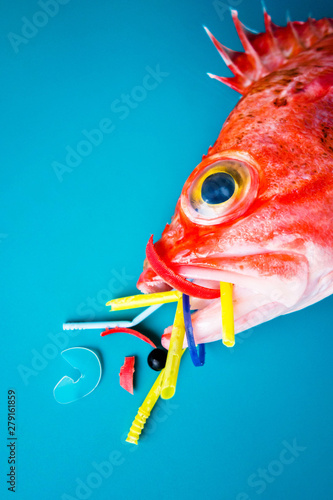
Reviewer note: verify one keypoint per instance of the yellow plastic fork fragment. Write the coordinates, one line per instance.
(227, 309)
(143, 300)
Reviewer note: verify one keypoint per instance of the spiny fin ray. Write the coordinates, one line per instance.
(229, 56)
(268, 51)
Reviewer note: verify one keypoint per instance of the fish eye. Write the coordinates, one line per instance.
(220, 191)
(218, 188)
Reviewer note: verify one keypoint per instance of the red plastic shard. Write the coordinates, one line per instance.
(126, 374)
(119, 329)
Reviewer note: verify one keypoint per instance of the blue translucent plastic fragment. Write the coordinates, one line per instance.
(88, 363)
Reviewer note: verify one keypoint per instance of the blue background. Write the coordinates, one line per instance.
(61, 244)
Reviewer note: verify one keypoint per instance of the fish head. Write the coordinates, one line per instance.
(245, 217)
(257, 211)
(235, 239)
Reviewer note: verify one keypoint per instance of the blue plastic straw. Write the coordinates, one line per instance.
(198, 358)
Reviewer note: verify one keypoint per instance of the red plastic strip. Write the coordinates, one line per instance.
(119, 329)
(126, 374)
(175, 280)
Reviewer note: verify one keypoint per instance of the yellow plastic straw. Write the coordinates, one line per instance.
(175, 352)
(143, 300)
(228, 326)
(145, 409)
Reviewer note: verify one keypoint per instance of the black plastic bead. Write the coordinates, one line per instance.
(157, 359)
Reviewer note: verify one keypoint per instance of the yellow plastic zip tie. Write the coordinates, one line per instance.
(145, 409)
(169, 381)
(228, 325)
(142, 300)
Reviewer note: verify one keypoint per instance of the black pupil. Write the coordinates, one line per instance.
(217, 188)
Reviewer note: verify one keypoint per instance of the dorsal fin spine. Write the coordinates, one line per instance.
(232, 82)
(295, 35)
(248, 47)
(278, 54)
(227, 55)
(272, 28)
(315, 31)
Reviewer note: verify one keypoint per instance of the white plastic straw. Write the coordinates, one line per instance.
(102, 325)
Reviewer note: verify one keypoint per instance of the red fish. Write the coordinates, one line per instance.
(258, 210)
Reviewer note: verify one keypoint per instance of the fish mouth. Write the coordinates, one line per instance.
(256, 298)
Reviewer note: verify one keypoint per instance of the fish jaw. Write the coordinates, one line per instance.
(207, 324)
